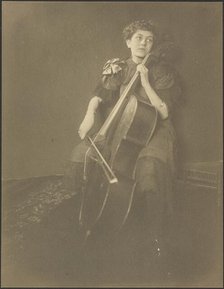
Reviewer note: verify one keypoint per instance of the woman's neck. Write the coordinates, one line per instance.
(137, 59)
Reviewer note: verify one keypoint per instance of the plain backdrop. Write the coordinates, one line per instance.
(53, 53)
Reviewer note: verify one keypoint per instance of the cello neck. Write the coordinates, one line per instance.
(102, 132)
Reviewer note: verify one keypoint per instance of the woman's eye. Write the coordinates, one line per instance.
(139, 38)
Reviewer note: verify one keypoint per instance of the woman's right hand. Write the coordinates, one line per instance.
(86, 125)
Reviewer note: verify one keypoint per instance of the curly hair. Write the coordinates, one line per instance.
(146, 25)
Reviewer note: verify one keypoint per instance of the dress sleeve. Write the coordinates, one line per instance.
(167, 85)
(108, 86)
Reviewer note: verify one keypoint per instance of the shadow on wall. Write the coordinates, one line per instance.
(54, 53)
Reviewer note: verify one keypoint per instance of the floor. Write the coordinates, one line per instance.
(42, 244)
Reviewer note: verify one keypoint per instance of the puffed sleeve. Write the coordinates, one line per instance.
(111, 78)
(166, 84)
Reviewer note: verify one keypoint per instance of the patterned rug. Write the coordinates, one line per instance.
(38, 222)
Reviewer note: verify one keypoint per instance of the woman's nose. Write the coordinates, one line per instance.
(143, 41)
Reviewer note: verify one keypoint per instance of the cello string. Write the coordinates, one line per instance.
(120, 101)
(113, 113)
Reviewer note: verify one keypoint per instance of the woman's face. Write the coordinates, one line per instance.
(140, 43)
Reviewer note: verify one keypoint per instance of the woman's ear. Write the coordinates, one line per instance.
(128, 41)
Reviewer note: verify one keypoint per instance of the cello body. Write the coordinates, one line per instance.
(108, 205)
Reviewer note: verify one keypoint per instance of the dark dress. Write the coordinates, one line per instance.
(156, 165)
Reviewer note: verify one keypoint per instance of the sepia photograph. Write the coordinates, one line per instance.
(112, 144)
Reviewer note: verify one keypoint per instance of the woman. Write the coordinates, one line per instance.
(155, 169)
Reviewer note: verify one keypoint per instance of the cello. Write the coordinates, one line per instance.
(109, 174)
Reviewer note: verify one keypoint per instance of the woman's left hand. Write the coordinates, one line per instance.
(144, 72)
